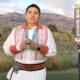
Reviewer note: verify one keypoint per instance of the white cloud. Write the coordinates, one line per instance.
(8, 1)
(5, 1)
(46, 11)
(2, 11)
(63, 7)
(10, 8)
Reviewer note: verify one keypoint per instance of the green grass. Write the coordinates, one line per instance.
(66, 58)
(6, 62)
(3, 79)
(62, 77)
(58, 77)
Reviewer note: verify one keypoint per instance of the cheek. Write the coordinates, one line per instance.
(37, 17)
(27, 18)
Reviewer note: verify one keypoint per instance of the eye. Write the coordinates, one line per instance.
(36, 13)
(29, 12)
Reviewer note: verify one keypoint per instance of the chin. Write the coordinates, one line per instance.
(33, 22)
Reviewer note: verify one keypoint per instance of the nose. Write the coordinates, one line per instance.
(32, 14)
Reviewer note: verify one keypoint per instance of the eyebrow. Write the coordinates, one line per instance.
(34, 11)
(31, 11)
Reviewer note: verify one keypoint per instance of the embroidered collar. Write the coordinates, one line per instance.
(26, 26)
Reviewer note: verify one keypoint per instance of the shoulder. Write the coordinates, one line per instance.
(18, 26)
(45, 27)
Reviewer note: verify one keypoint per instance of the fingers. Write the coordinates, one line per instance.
(28, 41)
(28, 44)
(27, 47)
(31, 45)
(24, 46)
(34, 46)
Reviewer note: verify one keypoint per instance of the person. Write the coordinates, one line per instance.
(0, 37)
(30, 44)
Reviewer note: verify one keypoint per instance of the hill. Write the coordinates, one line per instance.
(16, 19)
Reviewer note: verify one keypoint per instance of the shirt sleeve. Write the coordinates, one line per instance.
(51, 45)
(9, 44)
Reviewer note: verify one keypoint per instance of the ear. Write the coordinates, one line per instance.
(39, 17)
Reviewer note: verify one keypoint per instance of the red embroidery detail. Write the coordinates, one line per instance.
(15, 35)
(41, 40)
(46, 33)
(18, 40)
(26, 26)
(39, 27)
(22, 41)
(35, 57)
(42, 35)
(12, 73)
(44, 50)
(18, 34)
(13, 49)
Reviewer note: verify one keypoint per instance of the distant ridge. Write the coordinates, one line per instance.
(16, 19)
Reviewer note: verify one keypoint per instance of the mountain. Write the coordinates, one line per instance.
(16, 19)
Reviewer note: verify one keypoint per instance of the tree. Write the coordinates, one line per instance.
(5, 32)
(73, 30)
(52, 27)
(6, 29)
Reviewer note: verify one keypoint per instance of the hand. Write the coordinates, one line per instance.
(25, 44)
(78, 42)
(33, 45)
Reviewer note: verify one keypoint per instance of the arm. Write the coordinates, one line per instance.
(51, 45)
(47, 50)
(9, 45)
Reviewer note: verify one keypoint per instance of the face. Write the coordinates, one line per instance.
(32, 16)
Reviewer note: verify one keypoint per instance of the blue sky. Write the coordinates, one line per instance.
(62, 7)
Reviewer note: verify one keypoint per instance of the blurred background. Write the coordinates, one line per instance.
(58, 15)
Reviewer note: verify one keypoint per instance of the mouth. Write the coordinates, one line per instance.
(32, 18)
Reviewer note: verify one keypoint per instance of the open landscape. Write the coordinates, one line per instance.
(61, 17)
(66, 58)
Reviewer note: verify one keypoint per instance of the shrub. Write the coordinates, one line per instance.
(5, 31)
(73, 30)
(62, 62)
(52, 27)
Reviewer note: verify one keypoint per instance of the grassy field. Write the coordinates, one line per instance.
(58, 77)
(62, 77)
(66, 57)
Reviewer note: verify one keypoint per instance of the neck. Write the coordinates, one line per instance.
(31, 25)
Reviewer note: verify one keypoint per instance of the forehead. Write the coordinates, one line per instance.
(33, 9)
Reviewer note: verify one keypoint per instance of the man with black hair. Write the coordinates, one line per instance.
(30, 44)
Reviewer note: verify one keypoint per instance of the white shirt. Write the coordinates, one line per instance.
(28, 55)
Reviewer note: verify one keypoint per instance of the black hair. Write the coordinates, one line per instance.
(33, 5)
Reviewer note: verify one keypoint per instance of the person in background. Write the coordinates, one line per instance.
(0, 37)
(30, 44)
